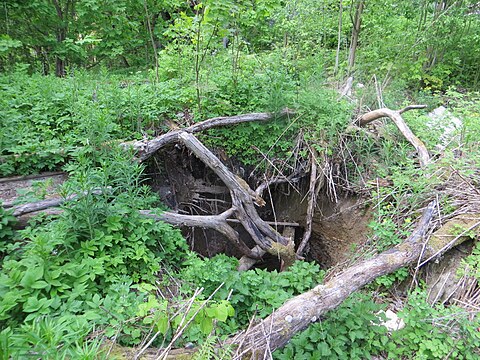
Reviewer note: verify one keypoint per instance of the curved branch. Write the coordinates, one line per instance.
(297, 313)
(146, 148)
(242, 195)
(395, 116)
(215, 222)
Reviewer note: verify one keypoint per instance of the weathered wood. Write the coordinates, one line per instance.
(243, 200)
(297, 313)
(273, 223)
(215, 222)
(246, 262)
(395, 116)
(22, 220)
(146, 148)
(286, 262)
(312, 200)
(31, 177)
(22, 209)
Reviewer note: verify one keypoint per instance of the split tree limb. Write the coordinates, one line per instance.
(246, 262)
(297, 313)
(19, 210)
(243, 198)
(292, 178)
(312, 200)
(216, 222)
(395, 116)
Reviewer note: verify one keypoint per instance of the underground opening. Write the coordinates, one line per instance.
(187, 186)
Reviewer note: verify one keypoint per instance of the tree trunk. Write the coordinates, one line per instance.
(59, 61)
(259, 341)
(357, 22)
(339, 38)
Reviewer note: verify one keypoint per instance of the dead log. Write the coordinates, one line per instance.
(22, 220)
(146, 148)
(215, 222)
(396, 117)
(22, 209)
(297, 313)
(31, 177)
(244, 200)
(259, 341)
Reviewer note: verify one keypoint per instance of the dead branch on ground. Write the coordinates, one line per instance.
(396, 117)
(297, 313)
(146, 148)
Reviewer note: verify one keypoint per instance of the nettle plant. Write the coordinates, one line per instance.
(79, 271)
(351, 331)
(251, 293)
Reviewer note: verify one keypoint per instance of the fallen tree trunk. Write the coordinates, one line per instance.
(23, 209)
(262, 339)
(296, 314)
(244, 200)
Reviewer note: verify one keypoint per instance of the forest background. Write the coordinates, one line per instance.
(79, 76)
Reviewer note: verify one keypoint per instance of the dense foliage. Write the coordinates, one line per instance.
(128, 70)
(429, 43)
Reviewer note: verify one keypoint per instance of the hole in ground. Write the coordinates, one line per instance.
(187, 186)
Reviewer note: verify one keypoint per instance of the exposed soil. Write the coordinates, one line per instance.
(187, 186)
(337, 228)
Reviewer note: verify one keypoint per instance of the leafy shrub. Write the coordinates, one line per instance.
(253, 292)
(434, 332)
(83, 266)
(7, 220)
(348, 332)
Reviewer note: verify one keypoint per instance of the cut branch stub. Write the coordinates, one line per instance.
(395, 116)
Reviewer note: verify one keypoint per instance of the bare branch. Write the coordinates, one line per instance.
(395, 116)
(297, 313)
(147, 148)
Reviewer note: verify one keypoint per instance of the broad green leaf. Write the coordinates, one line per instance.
(31, 276)
(206, 325)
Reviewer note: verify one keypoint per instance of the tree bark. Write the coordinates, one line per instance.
(339, 38)
(299, 312)
(396, 117)
(357, 23)
(146, 148)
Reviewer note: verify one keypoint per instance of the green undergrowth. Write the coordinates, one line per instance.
(96, 270)
(53, 117)
(353, 331)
